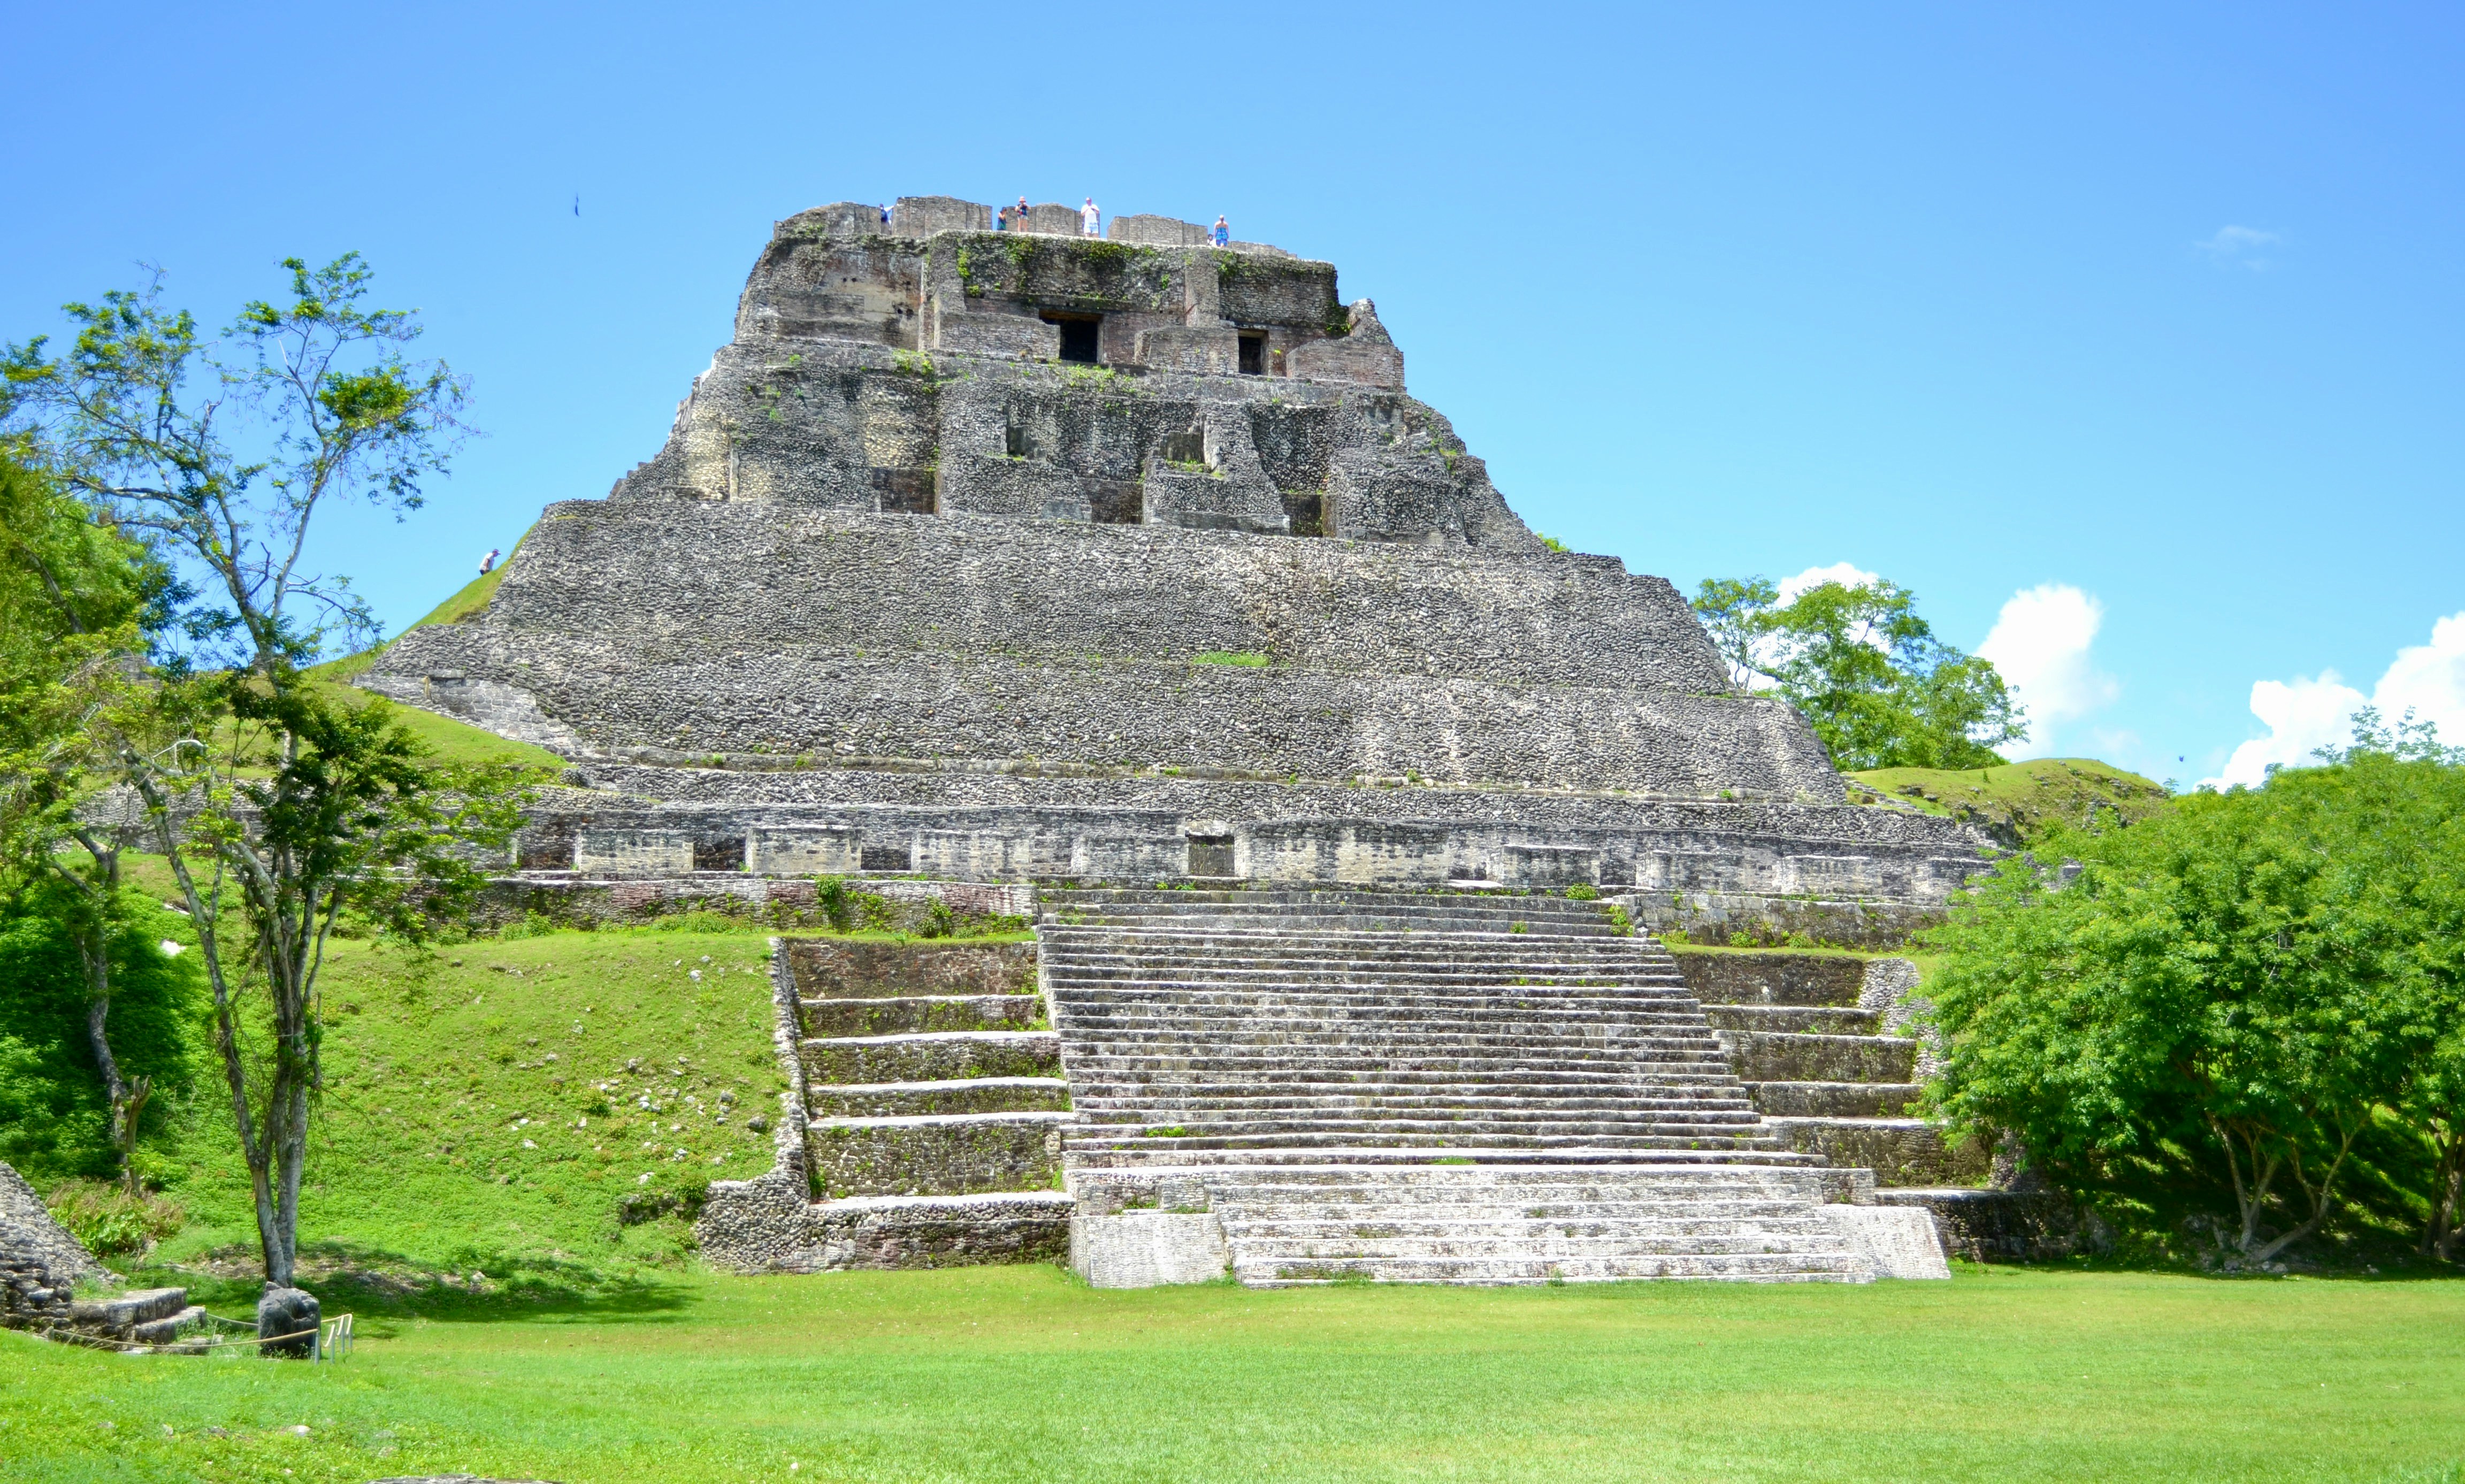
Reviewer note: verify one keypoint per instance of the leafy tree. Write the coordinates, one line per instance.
(77, 598)
(2247, 984)
(56, 1117)
(1876, 685)
(277, 801)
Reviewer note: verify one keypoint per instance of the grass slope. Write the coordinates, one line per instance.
(2019, 803)
(628, 1053)
(998, 1374)
(454, 740)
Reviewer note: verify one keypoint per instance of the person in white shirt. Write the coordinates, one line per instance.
(1090, 220)
(488, 563)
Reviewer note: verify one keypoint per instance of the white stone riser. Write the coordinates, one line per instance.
(1526, 1241)
(1140, 1158)
(1452, 1142)
(1118, 1100)
(1780, 1268)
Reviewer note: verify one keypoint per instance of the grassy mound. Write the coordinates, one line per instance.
(542, 1111)
(2019, 803)
(1017, 1373)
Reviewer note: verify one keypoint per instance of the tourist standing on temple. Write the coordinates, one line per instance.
(488, 563)
(1223, 234)
(1090, 220)
(1001, 220)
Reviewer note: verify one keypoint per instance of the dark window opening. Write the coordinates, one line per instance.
(1080, 337)
(904, 491)
(1185, 447)
(719, 855)
(1306, 510)
(885, 857)
(1253, 355)
(1116, 501)
(541, 851)
(1015, 441)
(1211, 855)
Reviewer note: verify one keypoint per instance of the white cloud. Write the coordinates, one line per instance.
(2245, 245)
(1841, 572)
(2303, 715)
(2039, 644)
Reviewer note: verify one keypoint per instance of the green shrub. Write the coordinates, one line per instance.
(53, 1114)
(110, 1221)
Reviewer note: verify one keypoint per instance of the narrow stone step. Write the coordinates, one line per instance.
(932, 1056)
(1802, 1019)
(1765, 1057)
(974, 1094)
(1834, 1099)
(908, 1013)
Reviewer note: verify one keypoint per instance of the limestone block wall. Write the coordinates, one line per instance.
(1129, 831)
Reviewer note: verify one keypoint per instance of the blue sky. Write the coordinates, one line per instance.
(2139, 318)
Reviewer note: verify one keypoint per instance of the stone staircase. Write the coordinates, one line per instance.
(1806, 1034)
(1461, 1088)
(934, 1101)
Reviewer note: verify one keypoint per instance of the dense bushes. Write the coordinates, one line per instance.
(54, 1112)
(2255, 1002)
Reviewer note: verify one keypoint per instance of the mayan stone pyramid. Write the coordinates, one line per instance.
(1022, 555)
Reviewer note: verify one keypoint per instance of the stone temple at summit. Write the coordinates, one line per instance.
(1081, 567)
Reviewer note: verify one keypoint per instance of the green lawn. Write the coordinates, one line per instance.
(1019, 1374)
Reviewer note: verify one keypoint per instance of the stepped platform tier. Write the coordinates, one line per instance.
(1313, 1086)
(1012, 556)
(1822, 1045)
(924, 1120)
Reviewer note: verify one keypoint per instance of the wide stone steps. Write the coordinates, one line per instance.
(1145, 978)
(1330, 912)
(1159, 1144)
(1465, 1098)
(1141, 1157)
(1484, 1091)
(1508, 1224)
(1523, 1268)
(1448, 1121)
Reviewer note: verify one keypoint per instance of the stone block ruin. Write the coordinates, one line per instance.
(1061, 564)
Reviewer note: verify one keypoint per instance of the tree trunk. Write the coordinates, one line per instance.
(2447, 1194)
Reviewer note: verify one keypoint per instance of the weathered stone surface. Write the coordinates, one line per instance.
(935, 1055)
(998, 555)
(288, 1318)
(841, 968)
(1148, 1249)
(2004, 1226)
(28, 1233)
(1895, 1242)
(953, 1154)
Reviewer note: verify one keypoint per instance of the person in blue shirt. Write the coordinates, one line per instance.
(1222, 233)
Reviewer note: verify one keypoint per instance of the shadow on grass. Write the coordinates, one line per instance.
(478, 1287)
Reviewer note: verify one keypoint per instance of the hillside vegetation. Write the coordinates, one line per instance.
(2017, 804)
(544, 1111)
(455, 741)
